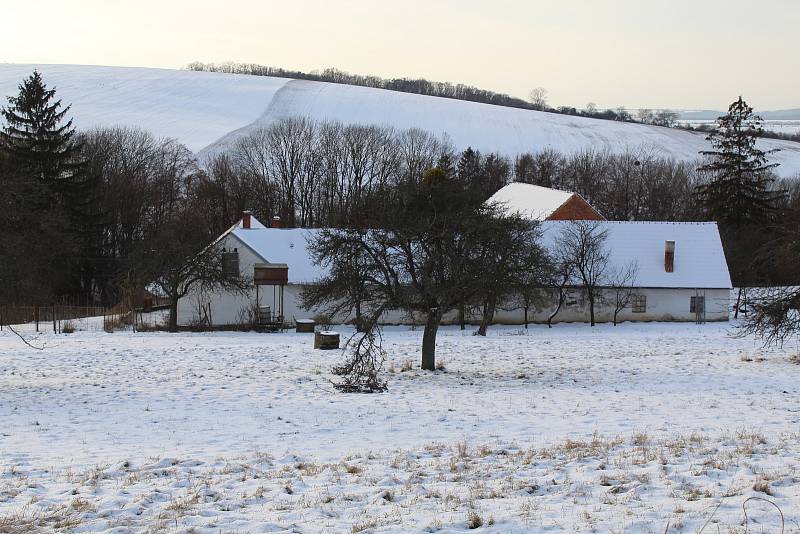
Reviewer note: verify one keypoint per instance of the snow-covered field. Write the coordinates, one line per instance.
(608, 429)
(207, 111)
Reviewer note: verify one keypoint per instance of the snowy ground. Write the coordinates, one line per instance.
(622, 429)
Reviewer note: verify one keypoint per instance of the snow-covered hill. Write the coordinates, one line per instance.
(206, 111)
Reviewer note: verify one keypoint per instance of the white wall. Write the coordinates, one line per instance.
(229, 308)
(663, 304)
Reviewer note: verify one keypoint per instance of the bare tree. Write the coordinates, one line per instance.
(510, 261)
(538, 97)
(582, 243)
(174, 260)
(774, 314)
(665, 117)
(530, 292)
(622, 286)
(426, 256)
(561, 279)
(645, 116)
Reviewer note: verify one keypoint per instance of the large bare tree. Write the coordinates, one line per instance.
(425, 257)
(582, 244)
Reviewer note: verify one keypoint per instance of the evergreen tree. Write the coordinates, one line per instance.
(739, 192)
(469, 166)
(36, 138)
(53, 195)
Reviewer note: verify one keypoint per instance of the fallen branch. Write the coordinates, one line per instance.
(23, 339)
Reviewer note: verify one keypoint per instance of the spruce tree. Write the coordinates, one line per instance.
(740, 190)
(53, 194)
(38, 140)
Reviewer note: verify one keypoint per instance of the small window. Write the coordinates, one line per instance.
(697, 304)
(230, 263)
(639, 303)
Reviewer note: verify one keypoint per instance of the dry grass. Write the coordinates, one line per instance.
(474, 520)
(596, 481)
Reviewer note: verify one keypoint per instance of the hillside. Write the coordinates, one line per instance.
(207, 111)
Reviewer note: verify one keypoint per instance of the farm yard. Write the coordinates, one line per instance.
(634, 428)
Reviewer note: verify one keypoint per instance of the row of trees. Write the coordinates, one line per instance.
(537, 99)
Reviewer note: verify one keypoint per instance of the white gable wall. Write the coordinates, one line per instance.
(229, 308)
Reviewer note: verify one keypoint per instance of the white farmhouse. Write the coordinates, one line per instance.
(682, 275)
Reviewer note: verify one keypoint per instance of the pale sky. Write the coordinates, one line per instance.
(689, 54)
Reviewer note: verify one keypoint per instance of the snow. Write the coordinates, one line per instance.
(573, 428)
(196, 108)
(208, 111)
(281, 245)
(530, 201)
(699, 257)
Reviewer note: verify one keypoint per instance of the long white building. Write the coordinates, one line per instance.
(682, 275)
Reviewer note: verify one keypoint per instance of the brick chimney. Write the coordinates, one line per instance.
(276, 222)
(246, 219)
(669, 256)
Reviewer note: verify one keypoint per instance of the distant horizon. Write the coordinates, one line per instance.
(401, 76)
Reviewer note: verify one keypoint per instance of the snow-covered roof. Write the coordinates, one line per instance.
(699, 258)
(530, 201)
(281, 245)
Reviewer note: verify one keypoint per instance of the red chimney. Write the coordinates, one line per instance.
(669, 256)
(276, 222)
(246, 219)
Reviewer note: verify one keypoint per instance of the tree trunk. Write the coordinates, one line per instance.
(429, 340)
(488, 314)
(744, 294)
(591, 309)
(462, 317)
(359, 318)
(173, 315)
(736, 307)
(526, 317)
(561, 298)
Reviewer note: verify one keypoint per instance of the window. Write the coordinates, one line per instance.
(697, 304)
(230, 263)
(639, 304)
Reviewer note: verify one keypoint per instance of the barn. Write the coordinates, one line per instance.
(681, 275)
(544, 204)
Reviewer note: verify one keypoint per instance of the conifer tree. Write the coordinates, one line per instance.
(38, 140)
(739, 192)
(52, 191)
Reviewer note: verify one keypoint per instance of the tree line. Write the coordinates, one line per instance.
(419, 86)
